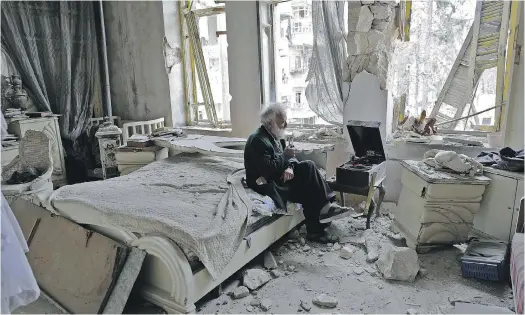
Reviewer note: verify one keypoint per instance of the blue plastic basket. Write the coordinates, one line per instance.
(481, 270)
(485, 260)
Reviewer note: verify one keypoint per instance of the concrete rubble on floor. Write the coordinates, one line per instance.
(240, 292)
(325, 301)
(398, 263)
(269, 260)
(357, 286)
(255, 278)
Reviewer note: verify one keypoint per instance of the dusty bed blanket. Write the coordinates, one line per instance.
(198, 201)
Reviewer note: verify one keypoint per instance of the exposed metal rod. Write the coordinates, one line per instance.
(465, 117)
(106, 92)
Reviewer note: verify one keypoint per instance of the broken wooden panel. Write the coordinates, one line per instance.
(75, 266)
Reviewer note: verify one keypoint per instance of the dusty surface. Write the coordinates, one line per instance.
(357, 291)
(353, 282)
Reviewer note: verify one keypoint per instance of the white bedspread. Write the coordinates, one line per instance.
(186, 197)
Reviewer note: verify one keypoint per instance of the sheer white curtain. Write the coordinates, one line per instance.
(324, 91)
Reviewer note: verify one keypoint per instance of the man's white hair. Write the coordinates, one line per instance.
(270, 112)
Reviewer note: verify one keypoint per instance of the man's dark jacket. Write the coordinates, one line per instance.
(263, 157)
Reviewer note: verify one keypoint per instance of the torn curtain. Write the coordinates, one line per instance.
(53, 46)
(324, 91)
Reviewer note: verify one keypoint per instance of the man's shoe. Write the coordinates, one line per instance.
(334, 213)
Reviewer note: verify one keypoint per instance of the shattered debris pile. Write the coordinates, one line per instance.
(386, 256)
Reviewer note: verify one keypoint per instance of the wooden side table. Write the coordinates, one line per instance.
(367, 191)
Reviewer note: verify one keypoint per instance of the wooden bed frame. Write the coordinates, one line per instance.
(168, 280)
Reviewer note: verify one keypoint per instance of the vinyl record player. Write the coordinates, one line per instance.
(369, 154)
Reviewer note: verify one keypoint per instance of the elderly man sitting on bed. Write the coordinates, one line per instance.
(273, 170)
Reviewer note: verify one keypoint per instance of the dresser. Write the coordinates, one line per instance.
(49, 126)
(436, 208)
(498, 214)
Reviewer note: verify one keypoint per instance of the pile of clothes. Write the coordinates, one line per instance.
(506, 159)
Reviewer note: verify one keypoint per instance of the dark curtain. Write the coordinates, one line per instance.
(53, 45)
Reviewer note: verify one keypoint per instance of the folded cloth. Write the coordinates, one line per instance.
(488, 158)
(506, 159)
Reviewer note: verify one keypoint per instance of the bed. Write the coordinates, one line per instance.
(177, 272)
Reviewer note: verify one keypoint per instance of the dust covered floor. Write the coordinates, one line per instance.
(357, 286)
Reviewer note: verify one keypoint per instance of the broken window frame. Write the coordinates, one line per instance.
(505, 65)
(194, 105)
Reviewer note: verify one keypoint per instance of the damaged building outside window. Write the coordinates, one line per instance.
(294, 47)
(421, 67)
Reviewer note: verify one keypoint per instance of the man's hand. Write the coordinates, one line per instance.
(287, 174)
(289, 152)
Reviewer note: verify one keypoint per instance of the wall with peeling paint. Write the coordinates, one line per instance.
(139, 81)
(173, 66)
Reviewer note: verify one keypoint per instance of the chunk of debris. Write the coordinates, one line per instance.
(294, 235)
(423, 272)
(276, 273)
(280, 251)
(255, 292)
(255, 278)
(372, 271)
(306, 248)
(336, 246)
(356, 240)
(280, 262)
(291, 268)
(329, 244)
(255, 302)
(397, 239)
(305, 306)
(346, 252)
(240, 292)
(269, 260)
(265, 305)
(398, 263)
(250, 309)
(358, 271)
(325, 301)
(320, 254)
(224, 302)
(372, 244)
(412, 311)
(302, 241)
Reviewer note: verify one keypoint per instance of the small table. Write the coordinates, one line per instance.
(368, 191)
